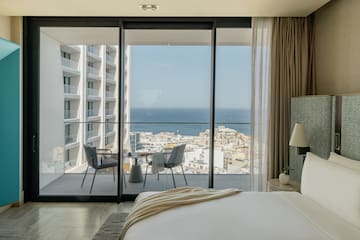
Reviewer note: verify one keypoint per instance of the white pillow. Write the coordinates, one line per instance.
(333, 186)
(344, 161)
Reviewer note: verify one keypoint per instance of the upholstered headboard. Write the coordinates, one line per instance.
(330, 121)
(316, 113)
(350, 127)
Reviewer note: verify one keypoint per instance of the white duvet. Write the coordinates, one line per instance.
(248, 215)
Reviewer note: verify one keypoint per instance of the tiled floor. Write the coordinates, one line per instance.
(56, 221)
(70, 184)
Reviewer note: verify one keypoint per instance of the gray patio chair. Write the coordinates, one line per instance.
(91, 154)
(176, 159)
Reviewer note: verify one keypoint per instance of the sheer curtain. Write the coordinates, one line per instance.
(261, 55)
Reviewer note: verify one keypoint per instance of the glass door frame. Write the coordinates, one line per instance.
(31, 89)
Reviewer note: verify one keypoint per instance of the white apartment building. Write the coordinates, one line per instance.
(90, 75)
(79, 102)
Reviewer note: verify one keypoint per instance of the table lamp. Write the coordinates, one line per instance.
(298, 139)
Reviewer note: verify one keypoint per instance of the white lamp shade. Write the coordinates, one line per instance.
(298, 138)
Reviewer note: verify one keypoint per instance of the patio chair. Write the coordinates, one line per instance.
(92, 160)
(176, 159)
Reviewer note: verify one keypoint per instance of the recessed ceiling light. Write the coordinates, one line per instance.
(147, 7)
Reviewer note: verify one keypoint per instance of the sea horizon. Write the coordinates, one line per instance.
(187, 121)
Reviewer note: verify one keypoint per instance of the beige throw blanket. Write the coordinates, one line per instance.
(162, 201)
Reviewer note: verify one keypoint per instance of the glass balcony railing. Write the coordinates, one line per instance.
(70, 139)
(109, 127)
(70, 114)
(69, 63)
(70, 89)
(91, 113)
(91, 133)
(109, 94)
(93, 50)
(109, 77)
(108, 112)
(110, 59)
(92, 92)
(93, 71)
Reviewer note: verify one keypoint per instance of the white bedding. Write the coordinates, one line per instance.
(248, 215)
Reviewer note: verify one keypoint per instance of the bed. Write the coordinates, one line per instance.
(328, 208)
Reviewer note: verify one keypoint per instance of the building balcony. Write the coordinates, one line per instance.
(70, 114)
(91, 113)
(109, 128)
(110, 59)
(69, 89)
(91, 134)
(92, 92)
(94, 50)
(108, 112)
(93, 71)
(69, 63)
(70, 139)
(110, 77)
(109, 94)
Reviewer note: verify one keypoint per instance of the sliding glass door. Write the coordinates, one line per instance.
(166, 109)
(233, 107)
(78, 111)
(161, 103)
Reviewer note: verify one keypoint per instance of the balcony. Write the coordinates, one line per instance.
(109, 127)
(91, 134)
(69, 89)
(110, 77)
(109, 94)
(93, 71)
(70, 139)
(69, 63)
(91, 113)
(92, 92)
(105, 185)
(110, 59)
(109, 112)
(70, 114)
(93, 50)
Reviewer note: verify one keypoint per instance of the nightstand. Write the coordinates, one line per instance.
(274, 185)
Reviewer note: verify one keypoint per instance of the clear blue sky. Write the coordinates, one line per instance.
(179, 77)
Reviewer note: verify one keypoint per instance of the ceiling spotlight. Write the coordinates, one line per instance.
(147, 7)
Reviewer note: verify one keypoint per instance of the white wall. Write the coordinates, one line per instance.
(5, 27)
(337, 31)
(52, 130)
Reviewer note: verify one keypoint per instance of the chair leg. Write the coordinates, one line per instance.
(82, 183)
(92, 184)
(145, 175)
(158, 176)
(173, 177)
(124, 179)
(184, 174)
(113, 173)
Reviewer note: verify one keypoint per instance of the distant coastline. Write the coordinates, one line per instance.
(187, 121)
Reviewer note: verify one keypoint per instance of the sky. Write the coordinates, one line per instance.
(179, 76)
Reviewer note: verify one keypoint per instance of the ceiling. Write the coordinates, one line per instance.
(177, 8)
(99, 35)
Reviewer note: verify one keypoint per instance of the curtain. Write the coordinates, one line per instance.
(292, 74)
(261, 50)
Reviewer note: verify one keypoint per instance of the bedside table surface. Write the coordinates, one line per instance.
(274, 185)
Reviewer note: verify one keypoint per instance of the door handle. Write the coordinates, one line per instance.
(34, 143)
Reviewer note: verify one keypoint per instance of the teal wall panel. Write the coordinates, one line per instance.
(9, 127)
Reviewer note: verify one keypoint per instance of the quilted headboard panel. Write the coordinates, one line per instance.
(316, 113)
(350, 127)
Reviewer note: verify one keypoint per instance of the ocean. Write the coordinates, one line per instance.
(187, 121)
